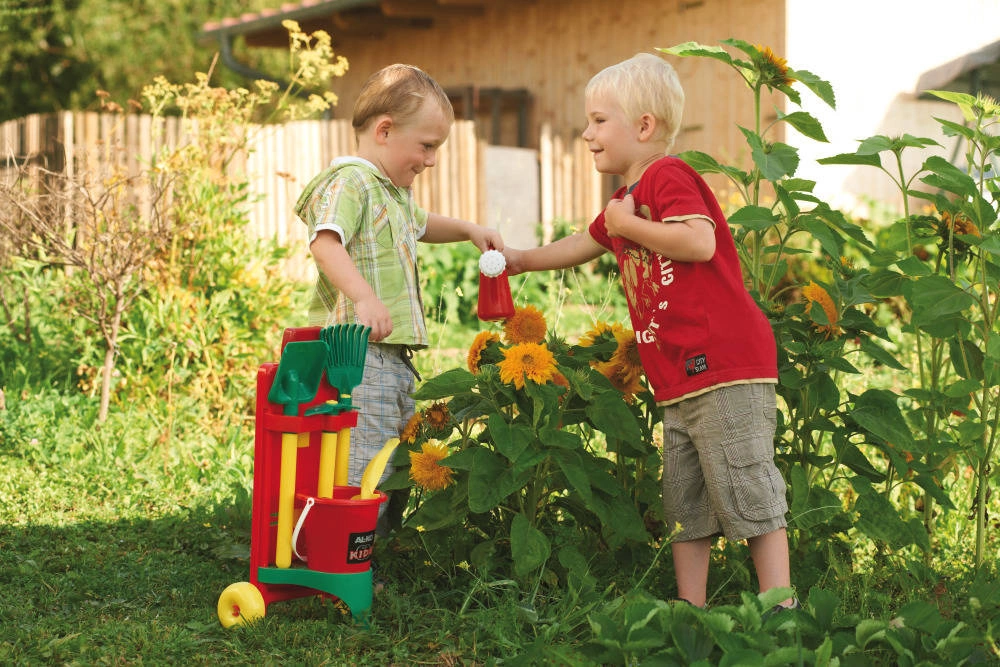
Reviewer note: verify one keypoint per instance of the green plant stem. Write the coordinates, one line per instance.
(983, 474)
(929, 415)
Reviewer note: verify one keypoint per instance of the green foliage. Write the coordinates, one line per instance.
(449, 275)
(187, 244)
(58, 54)
(541, 446)
(883, 444)
(639, 626)
(548, 544)
(37, 349)
(39, 66)
(944, 268)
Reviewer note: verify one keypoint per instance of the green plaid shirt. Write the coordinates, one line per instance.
(379, 224)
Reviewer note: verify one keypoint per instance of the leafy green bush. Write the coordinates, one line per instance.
(38, 347)
(544, 444)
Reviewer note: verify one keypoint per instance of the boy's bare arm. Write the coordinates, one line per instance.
(564, 253)
(691, 240)
(443, 229)
(338, 267)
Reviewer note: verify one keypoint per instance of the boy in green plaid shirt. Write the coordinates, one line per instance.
(363, 231)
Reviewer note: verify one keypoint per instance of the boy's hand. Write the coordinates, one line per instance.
(485, 238)
(373, 313)
(515, 260)
(617, 215)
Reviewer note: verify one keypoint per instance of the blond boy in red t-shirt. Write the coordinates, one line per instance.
(707, 349)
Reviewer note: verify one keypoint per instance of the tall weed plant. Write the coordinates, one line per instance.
(942, 263)
(174, 286)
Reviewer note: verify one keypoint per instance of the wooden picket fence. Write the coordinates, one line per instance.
(281, 159)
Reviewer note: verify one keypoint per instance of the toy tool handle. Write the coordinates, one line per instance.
(327, 464)
(286, 500)
(343, 457)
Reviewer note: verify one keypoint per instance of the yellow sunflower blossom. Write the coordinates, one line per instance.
(426, 470)
(814, 293)
(482, 341)
(624, 368)
(437, 415)
(626, 379)
(526, 325)
(959, 224)
(773, 68)
(527, 361)
(412, 429)
(597, 332)
(847, 268)
(627, 353)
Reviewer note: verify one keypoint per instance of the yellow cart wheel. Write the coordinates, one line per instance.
(239, 604)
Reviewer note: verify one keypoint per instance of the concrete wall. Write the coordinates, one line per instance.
(512, 194)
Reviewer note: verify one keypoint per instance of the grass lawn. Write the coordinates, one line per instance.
(117, 539)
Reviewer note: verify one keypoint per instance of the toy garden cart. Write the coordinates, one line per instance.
(311, 534)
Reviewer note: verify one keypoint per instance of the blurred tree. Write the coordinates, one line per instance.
(56, 54)
(38, 64)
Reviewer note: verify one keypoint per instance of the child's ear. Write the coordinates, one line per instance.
(646, 125)
(381, 128)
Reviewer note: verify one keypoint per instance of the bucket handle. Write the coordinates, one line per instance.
(298, 526)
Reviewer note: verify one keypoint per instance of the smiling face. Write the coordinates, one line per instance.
(610, 136)
(406, 149)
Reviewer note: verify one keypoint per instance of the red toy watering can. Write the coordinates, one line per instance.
(495, 302)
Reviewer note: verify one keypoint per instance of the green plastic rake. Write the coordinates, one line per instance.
(347, 348)
(346, 351)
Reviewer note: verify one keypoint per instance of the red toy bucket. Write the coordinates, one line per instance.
(337, 534)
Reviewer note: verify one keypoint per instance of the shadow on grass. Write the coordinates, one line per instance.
(145, 590)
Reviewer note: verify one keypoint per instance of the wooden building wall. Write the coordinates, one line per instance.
(553, 47)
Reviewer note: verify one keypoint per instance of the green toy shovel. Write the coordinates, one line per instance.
(295, 382)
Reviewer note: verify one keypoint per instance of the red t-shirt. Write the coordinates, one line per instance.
(696, 325)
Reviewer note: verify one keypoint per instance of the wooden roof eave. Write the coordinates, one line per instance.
(260, 27)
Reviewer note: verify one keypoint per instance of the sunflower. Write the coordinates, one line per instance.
(412, 429)
(813, 294)
(958, 224)
(773, 68)
(624, 368)
(437, 416)
(526, 325)
(597, 333)
(847, 267)
(627, 353)
(527, 361)
(477, 352)
(625, 378)
(426, 470)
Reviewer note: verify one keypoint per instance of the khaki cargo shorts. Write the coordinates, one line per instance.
(719, 476)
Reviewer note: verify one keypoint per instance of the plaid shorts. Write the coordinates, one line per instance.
(719, 475)
(384, 402)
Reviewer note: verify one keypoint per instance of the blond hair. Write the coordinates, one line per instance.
(645, 83)
(397, 91)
